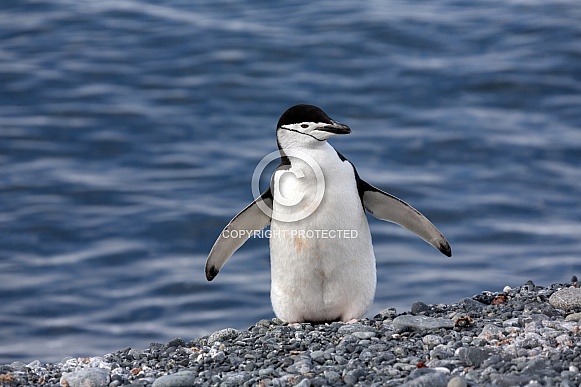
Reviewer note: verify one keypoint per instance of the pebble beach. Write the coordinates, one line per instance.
(523, 336)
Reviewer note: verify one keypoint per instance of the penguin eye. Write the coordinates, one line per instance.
(304, 126)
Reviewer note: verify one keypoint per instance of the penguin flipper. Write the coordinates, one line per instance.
(254, 217)
(392, 209)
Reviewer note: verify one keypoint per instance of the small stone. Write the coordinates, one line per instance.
(510, 380)
(34, 364)
(350, 379)
(86, 377)
(223, 335)
(573, 317)
(418, 323)
(332, 376)
(352, 328)
(340, 360)
(440, 353)
(473, 356)
(529, 286)
(432, 340)
(492, 361)
(511, 322)
(17, 366)
(218, 357)
(156, 347)
(265, 371)
(471, 304)
(365, 356)
(301, 366)
(457, 381)
(304, 383)
(135, 354)
(176, 343)
(235, 378)
(179, 379)
(567, 298)
(264, 323)
(534, 367)
(428, 378)
(363, 335)
(419, 307)
(388, 313)
(490, 331)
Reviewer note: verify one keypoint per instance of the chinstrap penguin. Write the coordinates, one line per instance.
(316, 192)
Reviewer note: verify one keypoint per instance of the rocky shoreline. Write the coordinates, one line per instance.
(529, 335)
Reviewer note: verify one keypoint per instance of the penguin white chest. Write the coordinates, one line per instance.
(322, 262)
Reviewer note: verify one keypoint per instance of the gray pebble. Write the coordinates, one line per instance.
(510, 380)
(365, 356)
(567, 298)
(135, 353)
(511, 322)
(223, 335)
(534, 367)
(179, 379)
(304, 383)
(363, 335)
(430, 379)
(176, 343)
(419, 307)
(86, 377)
(340, 360)
(387, 313)
(265, 371)
(352, 328)
(573, 317)
(301, 366)
(332, 376)
(350, 379)
(490, 331)
(432, 340)
(235, 378)
(418, 323)
(473, 356)
(34, 364)
(219, 357)
(471, 304)
(457, 381)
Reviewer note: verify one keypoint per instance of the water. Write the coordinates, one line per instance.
(129, 131)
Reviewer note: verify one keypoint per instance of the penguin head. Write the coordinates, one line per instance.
(304, 125)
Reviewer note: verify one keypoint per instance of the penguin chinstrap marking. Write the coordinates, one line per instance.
(322, 264)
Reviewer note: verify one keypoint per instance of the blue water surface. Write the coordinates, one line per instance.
(130, 129)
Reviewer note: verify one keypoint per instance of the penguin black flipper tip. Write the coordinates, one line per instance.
(445, 249)
(211, 273)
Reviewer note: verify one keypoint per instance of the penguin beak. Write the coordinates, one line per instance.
(336, 128)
